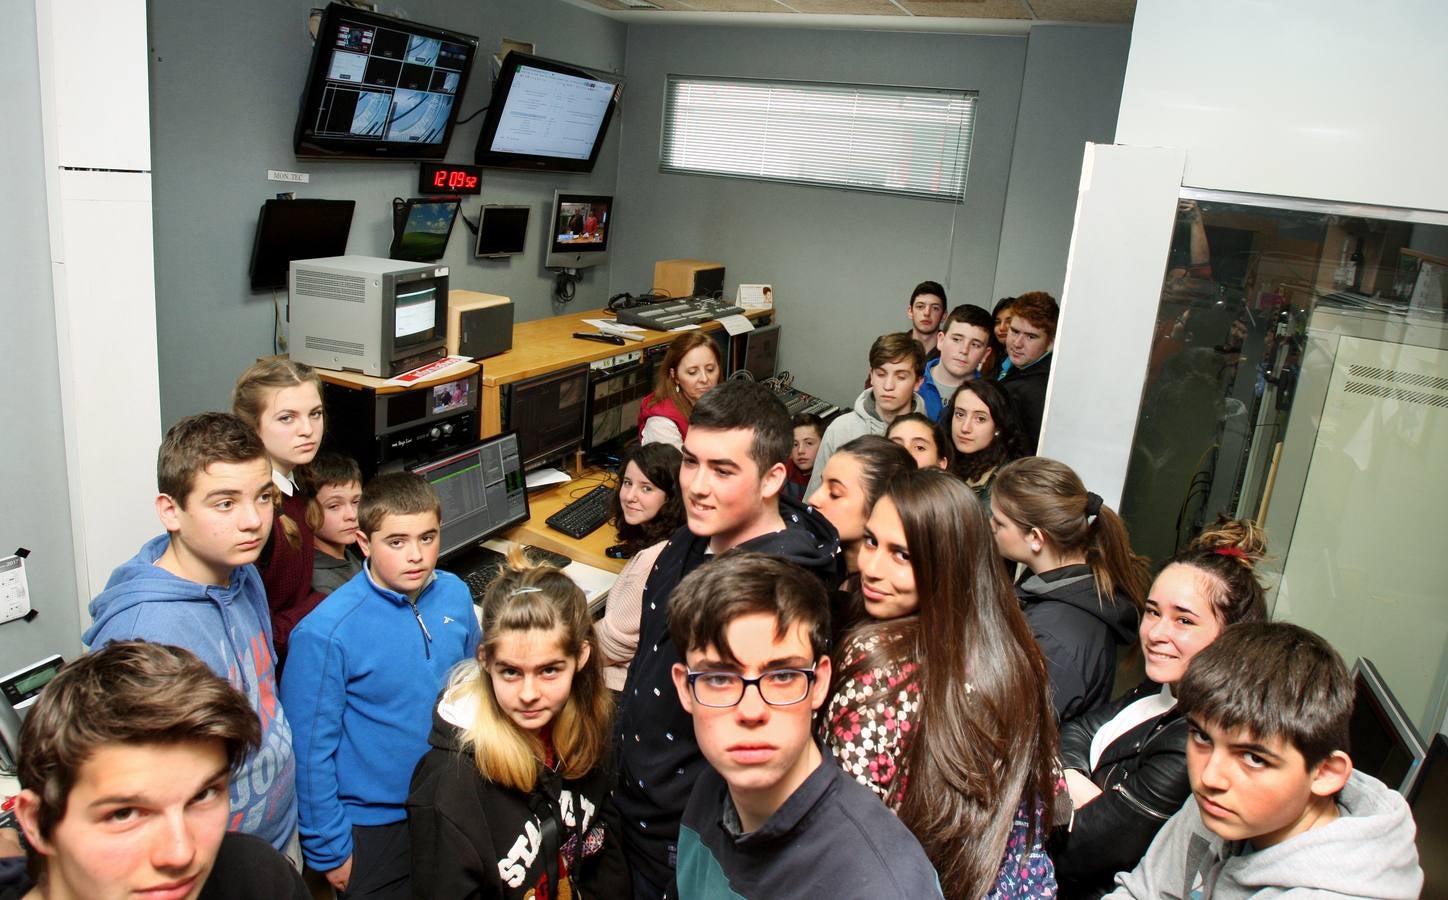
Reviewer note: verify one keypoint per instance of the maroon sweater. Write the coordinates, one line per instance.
(286, 573)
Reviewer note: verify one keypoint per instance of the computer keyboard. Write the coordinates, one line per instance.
(480, 566)
(673, 314)
(584, 515)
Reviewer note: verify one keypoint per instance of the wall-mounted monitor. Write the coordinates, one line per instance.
(421, 228)
(1383, 741)
(546, 116)
(289, 230)
(578, 230)
(502, 231)
(380, 87)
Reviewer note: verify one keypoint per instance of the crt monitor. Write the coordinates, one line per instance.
(288, 230)
(382, 88)
(579, 228)
(547, 412)
(502, 231)
(761, 352)
(482, 492)
(1382, 739)
(546, 115)
(421, 228)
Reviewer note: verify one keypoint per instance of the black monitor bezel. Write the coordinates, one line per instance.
(307, 145)
(592, 253)
(415, 469)
(543, 454)
(484, 155)
(1365, 673)
(264, 217)
(482, 217)
(404, 212)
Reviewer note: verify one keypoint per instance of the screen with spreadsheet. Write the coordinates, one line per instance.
(481, 489)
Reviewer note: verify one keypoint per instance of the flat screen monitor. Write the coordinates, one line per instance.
(288, 230)
(422, 228)
(1382, 739)
(1429, 800)
(761, 352)
(546, 115)
(548, 413)
(502, 231)
(380, 87)
(578, 230)
(482, 492)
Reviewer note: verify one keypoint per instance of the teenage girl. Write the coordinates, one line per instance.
(512, 798)
(690, 367)
(984, 432)
(1084, 585)
(1126, 762)
(1002, 316)
(282, 400)
(853, 478)
(922, 439)
(941, 703)
(647, 509)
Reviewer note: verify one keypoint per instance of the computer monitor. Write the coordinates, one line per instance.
(288, 230)
(502, 231)
(481, 489)
(1429, 800)
(421, 228)
(616, 393)
(761, 352)
(548, 413)
(1382, 739)
(578, 230)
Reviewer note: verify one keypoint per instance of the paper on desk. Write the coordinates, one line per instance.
(434, 369)
(611, 325)
(545, 477)
(689, 327)
(736, 324)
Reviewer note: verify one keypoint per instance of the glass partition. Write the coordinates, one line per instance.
(1299, 377)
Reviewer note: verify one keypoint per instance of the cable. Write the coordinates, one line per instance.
(565, 286)
(276, 323)
(471, 117)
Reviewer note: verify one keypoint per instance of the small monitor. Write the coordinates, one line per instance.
(548, 413)
(579, 228)
(761, 352)
(289, 230)
(546, 115)
(1429, 800)
(1382, 739)
(482, 492)
(502, 231)
(422, 227)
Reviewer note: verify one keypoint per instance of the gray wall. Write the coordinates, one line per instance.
(1070, 96)
(34, 499)
(225, 83)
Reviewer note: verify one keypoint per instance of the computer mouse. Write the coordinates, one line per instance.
(617, 551)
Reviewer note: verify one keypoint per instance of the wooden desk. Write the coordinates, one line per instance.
(544, 503)
(547, 345)
(381, 385)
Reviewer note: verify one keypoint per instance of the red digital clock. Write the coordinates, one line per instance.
(441, 178)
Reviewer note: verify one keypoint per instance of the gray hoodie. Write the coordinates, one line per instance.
(1367, 852)
(860, 421)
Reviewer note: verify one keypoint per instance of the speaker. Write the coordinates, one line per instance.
(689, 278)
(478, 324)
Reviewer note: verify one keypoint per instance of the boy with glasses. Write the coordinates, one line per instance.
(775, 816)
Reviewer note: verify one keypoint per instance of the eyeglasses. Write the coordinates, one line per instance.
(777, 687)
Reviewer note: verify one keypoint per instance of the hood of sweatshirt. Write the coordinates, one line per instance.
(865, 408)
(139, 580)
(808, 540)
(1074, 586)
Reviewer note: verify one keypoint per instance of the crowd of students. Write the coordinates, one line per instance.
(870, 657)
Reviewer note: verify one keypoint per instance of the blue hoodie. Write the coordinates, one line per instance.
(362, 676)
(229, 628)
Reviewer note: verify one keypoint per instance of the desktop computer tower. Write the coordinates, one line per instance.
(689, 278)
(478, 325)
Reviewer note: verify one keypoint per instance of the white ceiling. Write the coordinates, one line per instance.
(988, 16)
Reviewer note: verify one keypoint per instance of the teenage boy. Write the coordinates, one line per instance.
(964, 352)
(363, 673)
(1276, 807)
(731, 477)
(808, 429)
(124, 762)
(897, 363)
(195, 587)
(1026, 371)
(774, 816)
(927, 305)
(336, 488)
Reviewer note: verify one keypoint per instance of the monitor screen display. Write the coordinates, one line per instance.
(382, 87)
(548, 413)
(578, 230)
(415, 313)
(289, 230)
(761, 352)
(546, 115)
(481, 489)
(426, 225)
(502, 231)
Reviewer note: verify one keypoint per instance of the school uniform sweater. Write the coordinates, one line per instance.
(286, 571)
(658, 759)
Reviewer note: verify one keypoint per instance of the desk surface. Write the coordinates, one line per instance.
(544, 503)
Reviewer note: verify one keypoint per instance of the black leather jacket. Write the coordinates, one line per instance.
(1143, 776)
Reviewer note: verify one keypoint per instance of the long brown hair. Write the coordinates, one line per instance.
(249, 399)
(1036, 492)
(664, 386)
(986, 738)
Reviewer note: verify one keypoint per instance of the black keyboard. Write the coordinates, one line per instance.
(481, 565)
(584, 515)
(672, 314)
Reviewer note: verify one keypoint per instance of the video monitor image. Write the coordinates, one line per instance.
(426, 227)
(582, 223)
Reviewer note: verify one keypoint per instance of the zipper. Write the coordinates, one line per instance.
(426, 637)
(1138, 805)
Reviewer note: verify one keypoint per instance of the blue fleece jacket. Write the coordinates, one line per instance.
(230, 629)
(363, 672)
